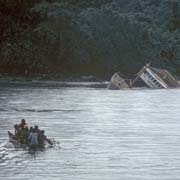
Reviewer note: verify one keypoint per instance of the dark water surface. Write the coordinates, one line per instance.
(104, 135)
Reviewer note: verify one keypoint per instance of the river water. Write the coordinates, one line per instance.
(104, 134)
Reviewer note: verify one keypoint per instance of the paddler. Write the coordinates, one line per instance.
(23, 124)
(42, 137)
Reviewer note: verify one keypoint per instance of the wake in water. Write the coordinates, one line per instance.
(36, 110)
(8, 153)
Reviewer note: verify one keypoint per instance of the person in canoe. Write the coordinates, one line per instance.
(23, 124)
(24, 138)
(42, 138)
(23, 132)
(17, 131)
(33, 138)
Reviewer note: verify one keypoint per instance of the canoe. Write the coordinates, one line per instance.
(13, 139)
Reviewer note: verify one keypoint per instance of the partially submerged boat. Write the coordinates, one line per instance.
(158, 78)
(151, 77)
(117, 82)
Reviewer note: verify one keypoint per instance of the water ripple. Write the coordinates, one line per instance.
(104, 134)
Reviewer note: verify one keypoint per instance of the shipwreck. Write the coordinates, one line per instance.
(151, 77)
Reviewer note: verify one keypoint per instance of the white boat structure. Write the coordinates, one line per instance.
(117, 82)
(154, 78)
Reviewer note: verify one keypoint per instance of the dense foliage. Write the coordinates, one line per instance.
(88, 37)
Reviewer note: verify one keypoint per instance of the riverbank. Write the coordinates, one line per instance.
(48, 82)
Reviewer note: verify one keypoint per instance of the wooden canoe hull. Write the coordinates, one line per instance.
(17, 142)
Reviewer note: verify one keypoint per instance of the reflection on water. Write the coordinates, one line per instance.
(109, 135)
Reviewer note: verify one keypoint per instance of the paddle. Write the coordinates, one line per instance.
(49, 141)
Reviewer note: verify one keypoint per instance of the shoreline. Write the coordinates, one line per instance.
(49, 82)
(63, 78)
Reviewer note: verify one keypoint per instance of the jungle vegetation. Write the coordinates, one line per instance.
(80, 37)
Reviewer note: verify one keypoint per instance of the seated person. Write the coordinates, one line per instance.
(23, 124)
(41, 138)
(33, 137)
(17, 131)
(24, 138)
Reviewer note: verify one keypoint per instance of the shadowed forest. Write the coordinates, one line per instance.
(79, 37)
